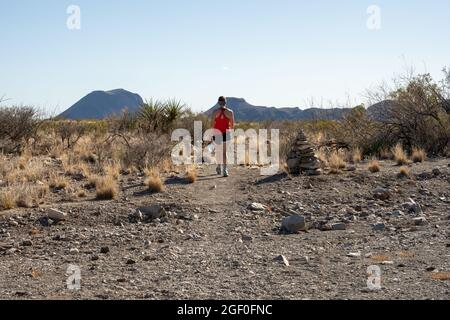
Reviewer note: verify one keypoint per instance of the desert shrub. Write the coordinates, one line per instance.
(404, 172)
(22, 196)
(153, 180)
(57, 182)
(70, 132)
(106, 188)
(192, 175)
(358, 130)
(7, 199)
(356, 155)
(418, 155)
(81, 193)
(17, 126)
(113, 170)
(336, 162)
(146, 151)
(416, 113)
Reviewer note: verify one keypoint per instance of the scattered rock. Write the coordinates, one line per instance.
(420, 221)
(257, 206)
(57, 215)
(437, 172)
(13, 223)
(104, 250)
(354, 255)
(381, 194)
(147, 213)
(247, 238)
(379, 227)
(282, 259)
(147, 243)
(412, 207)
(27, 243)
(74, 251)
(131, 261)
(294, 224)
(397, 213)
(339, 226)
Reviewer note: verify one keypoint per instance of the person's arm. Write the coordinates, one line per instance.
(213, 120)
(232, 119)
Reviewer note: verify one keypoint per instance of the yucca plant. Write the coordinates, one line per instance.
(151, 115)
(173, 110)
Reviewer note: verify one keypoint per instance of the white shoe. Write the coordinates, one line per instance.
(225, 173)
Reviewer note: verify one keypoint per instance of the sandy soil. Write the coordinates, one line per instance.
(212, 245)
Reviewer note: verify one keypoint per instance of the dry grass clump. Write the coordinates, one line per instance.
(7, 199)
(374, 166)
(379, 258)
(113, 170)
(57, 182)
(106, 188)
(22, 196)
(92, 181)
(404, 172)
(192, 175)
(357, 155)
(441, 276)
(24, 199)
(418, 155)
(153, 180)
(81, 193)
(35, 171)
(400, 156)
(336, 162)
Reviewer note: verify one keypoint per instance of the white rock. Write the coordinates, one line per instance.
(420, 221)
(354, 254)
(282, 259)
(257, 207)
(57, 215)
(412, 207)
(294, 224)
(151, 212)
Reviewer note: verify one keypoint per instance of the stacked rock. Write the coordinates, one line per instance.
(302, 158)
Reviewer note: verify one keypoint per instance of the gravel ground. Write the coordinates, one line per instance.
(213, 243)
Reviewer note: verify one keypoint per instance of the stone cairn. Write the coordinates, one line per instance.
(302, 158)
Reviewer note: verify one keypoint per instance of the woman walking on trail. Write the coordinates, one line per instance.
(223, 121)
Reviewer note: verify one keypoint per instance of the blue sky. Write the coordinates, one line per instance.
(277, 53)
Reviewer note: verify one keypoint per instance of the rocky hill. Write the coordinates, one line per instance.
(100, 104)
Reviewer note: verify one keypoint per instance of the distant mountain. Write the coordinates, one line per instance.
(101, 104)
(380, 111)
(243, 111)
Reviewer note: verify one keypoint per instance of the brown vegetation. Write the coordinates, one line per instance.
(374, 166)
